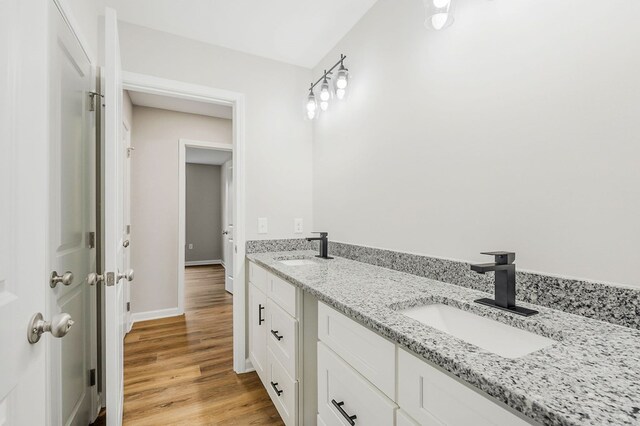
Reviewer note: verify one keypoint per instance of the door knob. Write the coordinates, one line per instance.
(66, 279)
(125, 243)
(94, 278)
(127, 275)
(58, 326)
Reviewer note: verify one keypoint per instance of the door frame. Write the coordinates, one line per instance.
(183, 144)
(182, 90)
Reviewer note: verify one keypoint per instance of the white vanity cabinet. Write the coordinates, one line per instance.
(321, 367)
(362, 374)
(275, 344)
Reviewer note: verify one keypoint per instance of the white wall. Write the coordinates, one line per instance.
(154, 199)
(203, 213)
(517, 128)
(278, 139)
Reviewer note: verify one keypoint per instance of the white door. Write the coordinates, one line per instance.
(113, 238)
(23, 209)
(71, 224)
(228, 233)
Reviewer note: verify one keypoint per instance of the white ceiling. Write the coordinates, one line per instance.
(181, 105)
(212, 157)
(299, 32)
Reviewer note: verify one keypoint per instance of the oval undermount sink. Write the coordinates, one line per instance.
(493, 336)
(297, 262)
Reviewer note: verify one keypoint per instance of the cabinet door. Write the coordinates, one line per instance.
(432, 398)
(258, 330)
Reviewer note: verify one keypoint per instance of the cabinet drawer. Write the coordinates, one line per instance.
(282, 337)
(370, 354)
(258, 276)
(432, 397)
(343, 392)
(282, 390)
(283, 293)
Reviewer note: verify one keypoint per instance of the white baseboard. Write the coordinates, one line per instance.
(151, 315)
(203, 262)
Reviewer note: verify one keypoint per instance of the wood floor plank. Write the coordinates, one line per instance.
(179, 370)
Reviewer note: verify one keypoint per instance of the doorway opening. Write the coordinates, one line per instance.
(206, 210)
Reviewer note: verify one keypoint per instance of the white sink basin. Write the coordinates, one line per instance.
(493, 336)
(297, 262)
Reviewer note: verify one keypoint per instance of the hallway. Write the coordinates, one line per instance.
(179, 370)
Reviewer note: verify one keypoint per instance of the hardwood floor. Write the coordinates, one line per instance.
(179, 371)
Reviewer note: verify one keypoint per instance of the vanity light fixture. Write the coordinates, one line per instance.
(439, 14)
(327, 91)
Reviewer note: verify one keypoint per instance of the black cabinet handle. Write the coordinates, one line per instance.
(338, 405)
(260, 309)
(275, 388)
(277, 336)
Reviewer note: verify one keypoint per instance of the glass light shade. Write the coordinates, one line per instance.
(311, 106)
(341, 93)
(325, 93)
(438, 14)
(342, 82)
(439, 20)
(311, 102)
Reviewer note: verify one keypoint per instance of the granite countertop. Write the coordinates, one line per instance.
(590, 377)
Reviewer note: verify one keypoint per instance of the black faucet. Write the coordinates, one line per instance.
(505, 283)
(324, 244)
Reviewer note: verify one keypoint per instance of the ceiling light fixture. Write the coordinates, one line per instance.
(326, 90)
(439, 13)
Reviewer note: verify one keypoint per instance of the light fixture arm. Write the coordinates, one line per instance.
(328, 73)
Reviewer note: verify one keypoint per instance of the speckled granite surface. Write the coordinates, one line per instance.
(617, 305)
(261, 246)
(590, 377)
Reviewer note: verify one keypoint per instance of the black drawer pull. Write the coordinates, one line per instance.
(260, 309)
(275, 388)
(276, 335)
(338, 405)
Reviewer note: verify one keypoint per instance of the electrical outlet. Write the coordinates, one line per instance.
(297, 226)
(190, 246)
(263, 225)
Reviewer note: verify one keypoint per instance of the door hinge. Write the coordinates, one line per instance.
(93, 96)
(128, 306)
(111, 279)
(91, 239)
(92, 377)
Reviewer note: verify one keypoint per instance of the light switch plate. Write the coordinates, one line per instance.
(190, 246)
(263, 225)
(297, 226)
